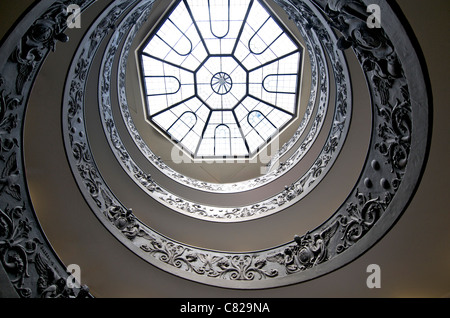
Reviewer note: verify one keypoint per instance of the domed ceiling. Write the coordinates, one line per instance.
(242, 144)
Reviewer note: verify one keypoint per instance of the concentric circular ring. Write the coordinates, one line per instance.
(392, 170)
(221, 83)
(232, 213)
(319, 98)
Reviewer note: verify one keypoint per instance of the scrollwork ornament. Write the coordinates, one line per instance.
(309, 251)
(313, 250)
(21, 240)
(360, 218)
(379, 60)
(52, 285)
(33, 267)
(38, 40)
(395, 134)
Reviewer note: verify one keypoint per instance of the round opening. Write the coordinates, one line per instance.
(221, 83)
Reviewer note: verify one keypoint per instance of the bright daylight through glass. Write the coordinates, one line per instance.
(221, 77)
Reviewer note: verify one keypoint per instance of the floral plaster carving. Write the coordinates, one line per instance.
(396, 157)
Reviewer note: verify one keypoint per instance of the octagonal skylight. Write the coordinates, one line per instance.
(221, 77)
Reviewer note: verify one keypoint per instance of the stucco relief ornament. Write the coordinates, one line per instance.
(123, 219)
(360, 218)
(317, 248)
(23, 248)
(42, 36)
(52, 285)
(380, 61)
(8, 122)
(33, 267)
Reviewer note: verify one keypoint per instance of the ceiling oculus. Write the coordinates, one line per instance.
(221, 78)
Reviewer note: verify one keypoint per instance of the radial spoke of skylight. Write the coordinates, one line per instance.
(177, 41)
(262, 39)
(276, 83)
(166, 84)
(222, 137)
(259, 121)
(221, 82)
(219, 22)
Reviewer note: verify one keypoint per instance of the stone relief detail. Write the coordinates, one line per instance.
(395, 134)
(10, 175)
(230, 267)
(123, 219)
(309, 250)
(379, 60)
(344, 230)
(8, 121)
(51, 285)
(38, 40)
(26, 258)
(22, 248)
(9, 180)
(107, 24)
(16, 246)
(360, 218)
(227, 266)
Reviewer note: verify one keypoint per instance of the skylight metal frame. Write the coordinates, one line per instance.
(284, 31)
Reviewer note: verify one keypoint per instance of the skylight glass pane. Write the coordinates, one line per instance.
(265, 129)
(161, 85)
(240, 112)
(219, 14)
(238, 147)
(162, 79)
(177, 41)
(264, 37)
(180, 109)
(209, 131)
(159, 103)
(179, 130)
(157, 48)
(282, 45)
(254, 118)
(222, 141)
(271, 84)
(206, 148)
(278, 118)
(190, 141)
(165, 119)
(254, 141)
(173, 36)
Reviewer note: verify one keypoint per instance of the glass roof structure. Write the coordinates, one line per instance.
(221, 78)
